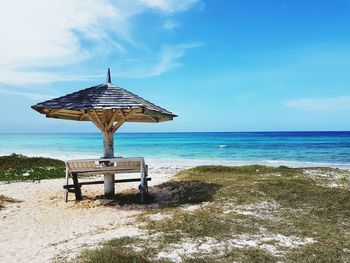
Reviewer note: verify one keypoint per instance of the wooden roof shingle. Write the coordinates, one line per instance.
(105, 96)
(100, 98)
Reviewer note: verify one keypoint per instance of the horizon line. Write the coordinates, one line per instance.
(124, 132)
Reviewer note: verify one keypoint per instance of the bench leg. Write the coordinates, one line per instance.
(146, 182)
(142, 190)
(142, 194)
(67, 181)
(77, 188)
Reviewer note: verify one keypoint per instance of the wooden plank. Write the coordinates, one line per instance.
(101, 160)
(123, 115)
(130, 180)
(52, 112)
(113, 119)
(141, 120)
(96, 122)
(64, 113)
(117, 125)
(78, 167)
(96, 169)
(71, 111)
(98, 118)
(83, 115)
(153, 118)
(124, 171)
(64, 117)
(126, 117)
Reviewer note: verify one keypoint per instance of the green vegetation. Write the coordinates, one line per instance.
(241, 214)
(109, 253)
(16, 167)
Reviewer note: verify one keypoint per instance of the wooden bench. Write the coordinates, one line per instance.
(91, 167)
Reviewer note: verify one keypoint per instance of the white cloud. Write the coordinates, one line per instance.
(170, 6)
(169, 58)
(170, 25)
(318, 104)
(39, 36)
(39, 32)
(19, 77)
(166, 59)
(33, 96)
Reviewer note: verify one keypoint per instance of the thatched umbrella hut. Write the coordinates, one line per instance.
(108, 107)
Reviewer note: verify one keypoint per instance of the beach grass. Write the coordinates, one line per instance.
(241, 214)
(17, 167)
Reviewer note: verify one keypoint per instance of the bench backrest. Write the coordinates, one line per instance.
(131, 165)
(78, 165)
(118, 165)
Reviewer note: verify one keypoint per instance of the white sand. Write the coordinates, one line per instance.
(42, 227)
(273, 243)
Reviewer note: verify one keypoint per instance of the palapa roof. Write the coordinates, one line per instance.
(98, 100)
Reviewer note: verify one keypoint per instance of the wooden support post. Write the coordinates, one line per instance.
(108, 147)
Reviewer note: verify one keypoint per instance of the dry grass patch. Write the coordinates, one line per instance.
(243, 214)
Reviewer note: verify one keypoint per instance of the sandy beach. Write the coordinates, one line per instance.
(193, 131)
(41, 227)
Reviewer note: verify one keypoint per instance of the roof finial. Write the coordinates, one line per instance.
(108, 79)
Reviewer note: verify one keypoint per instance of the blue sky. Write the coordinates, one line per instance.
(240, 65)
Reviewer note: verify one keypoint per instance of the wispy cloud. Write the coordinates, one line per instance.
(170, 6)
(166, 59)
(33, 96)
(40, 38)
(170, 25)
(321, 104)
(169, 57)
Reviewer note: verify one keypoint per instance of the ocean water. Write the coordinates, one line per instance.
(271, 148)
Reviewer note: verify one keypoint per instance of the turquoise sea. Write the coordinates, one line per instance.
(275, 148)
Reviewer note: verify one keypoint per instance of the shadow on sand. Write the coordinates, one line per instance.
(169, 194)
